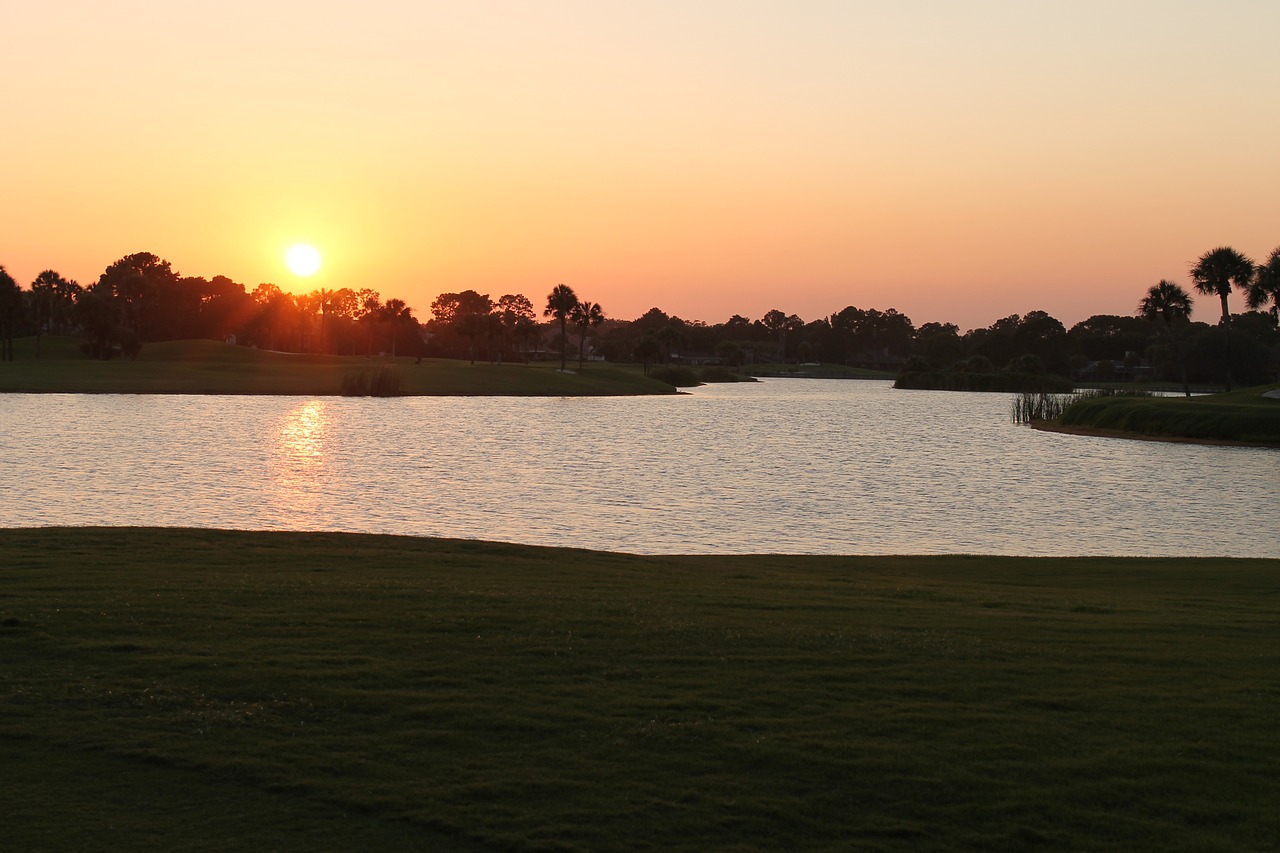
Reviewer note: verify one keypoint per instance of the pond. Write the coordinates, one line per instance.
(781, 466)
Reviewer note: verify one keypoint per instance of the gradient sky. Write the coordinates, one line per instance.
(957, 161)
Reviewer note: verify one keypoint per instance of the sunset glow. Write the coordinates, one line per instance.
(958, 162)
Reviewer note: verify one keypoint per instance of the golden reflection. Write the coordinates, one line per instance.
(298, 458)
(301, 437)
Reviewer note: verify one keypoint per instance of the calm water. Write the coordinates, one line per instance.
(790, 466)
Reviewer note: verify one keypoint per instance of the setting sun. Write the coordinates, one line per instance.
(303, 260)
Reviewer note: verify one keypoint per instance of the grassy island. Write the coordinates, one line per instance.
(1245, 417)
(197, 689)
(210, 367)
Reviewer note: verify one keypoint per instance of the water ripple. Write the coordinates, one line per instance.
(784, 466)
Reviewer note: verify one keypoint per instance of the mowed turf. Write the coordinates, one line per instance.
(1244, 416)
(207, 690)
(211, 367)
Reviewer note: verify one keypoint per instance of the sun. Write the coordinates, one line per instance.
(303, 260)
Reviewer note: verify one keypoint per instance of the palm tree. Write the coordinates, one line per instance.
(560, 304)
(10, 310)
(367, 310)
(1266, 286)
(647, 349)
(1170, 304)
(585, 314)
(65, 294)
(398, 315)
(669, 337)
(1216, 273)
(44, 292)
(472, 326)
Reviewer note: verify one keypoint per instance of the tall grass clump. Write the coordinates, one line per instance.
(1030, 407)
(384, 382)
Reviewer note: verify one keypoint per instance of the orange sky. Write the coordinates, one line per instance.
(959, 162)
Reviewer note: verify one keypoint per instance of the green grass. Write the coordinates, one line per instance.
(210, 367)
(1239, 416)
(205, 690)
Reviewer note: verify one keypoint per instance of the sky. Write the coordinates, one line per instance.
(957, 161)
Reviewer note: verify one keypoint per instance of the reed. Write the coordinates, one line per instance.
(1028, 407)
(383, 382)
(1031, 407)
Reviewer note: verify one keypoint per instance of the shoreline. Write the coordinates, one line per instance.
(1051, 426)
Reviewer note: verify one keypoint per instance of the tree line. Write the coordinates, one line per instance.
(140, 298)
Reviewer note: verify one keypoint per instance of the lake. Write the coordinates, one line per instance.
(780, 466)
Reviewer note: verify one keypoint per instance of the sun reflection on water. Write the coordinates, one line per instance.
(301, 437)
(298, 457)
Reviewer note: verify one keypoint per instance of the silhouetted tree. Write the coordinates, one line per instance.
(472, 326)
(669, 337)
(729, 353)
(95, 312)
(1169, 304)
(519, 320)
(646, 350)
(367, 309)
(1266, 287)
(1107, 336)
(400, 317)
(10, 313)
(560, 304)
(780, 325)
(584, 315)
(45, 292)
(448, 307)
(225, 309)
(134, 283)
(1216, 272)
(938, 344)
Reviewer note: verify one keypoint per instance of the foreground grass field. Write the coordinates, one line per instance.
(210, 367)
(205, 690)
(1243, 416)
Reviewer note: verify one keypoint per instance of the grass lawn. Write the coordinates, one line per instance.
(208, 690)
(1243, 416)
(210, 367)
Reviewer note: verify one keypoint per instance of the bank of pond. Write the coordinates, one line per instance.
(210, 367)
(1248, 416)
